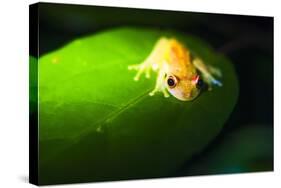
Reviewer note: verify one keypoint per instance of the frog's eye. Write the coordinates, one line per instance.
(172, 81)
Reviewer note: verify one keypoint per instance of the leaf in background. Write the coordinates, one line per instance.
(246, 149)
(96, 123)
(33, 74)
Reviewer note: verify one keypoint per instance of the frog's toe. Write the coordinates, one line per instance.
(166, 94)
(217, 82)
(153, 92)
(147, 74)
(134, 67)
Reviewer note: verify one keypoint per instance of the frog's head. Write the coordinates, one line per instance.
(185, 89)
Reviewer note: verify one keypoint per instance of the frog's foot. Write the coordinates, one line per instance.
(207, 73)
(160, 86)
(165, 93)
(140, 68)
(211, 80)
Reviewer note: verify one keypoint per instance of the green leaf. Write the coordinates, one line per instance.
(96, 123)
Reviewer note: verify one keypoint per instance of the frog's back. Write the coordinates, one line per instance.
(180, 58)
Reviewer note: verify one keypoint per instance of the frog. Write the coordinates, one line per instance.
(180, 73)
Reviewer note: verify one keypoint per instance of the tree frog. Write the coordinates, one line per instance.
(178, 72)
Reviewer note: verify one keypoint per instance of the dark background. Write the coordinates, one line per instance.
(246, 40)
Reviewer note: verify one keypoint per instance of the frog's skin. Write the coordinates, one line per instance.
(177, 72)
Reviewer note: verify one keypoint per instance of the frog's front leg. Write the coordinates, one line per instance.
(146, 67)
(160, 84)
(207, 72)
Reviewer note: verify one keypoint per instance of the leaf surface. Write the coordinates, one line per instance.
(97, 123)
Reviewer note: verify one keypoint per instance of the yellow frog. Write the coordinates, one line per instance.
(178, 72)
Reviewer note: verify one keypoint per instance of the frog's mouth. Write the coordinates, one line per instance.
(185, 96)
(192, 95)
